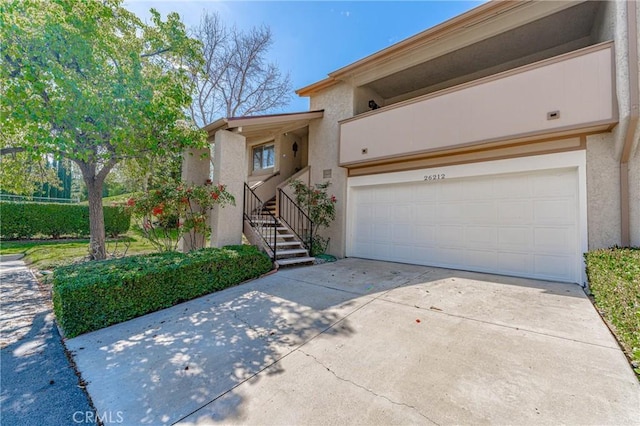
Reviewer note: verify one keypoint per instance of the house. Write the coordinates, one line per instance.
(504, 140)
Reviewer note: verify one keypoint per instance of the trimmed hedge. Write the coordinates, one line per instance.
(25, 220)
(614, 281)
(93, 295)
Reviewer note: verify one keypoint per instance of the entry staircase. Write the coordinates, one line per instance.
(282, 231)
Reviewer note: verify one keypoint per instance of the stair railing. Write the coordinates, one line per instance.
(263, 222)
(296, 219)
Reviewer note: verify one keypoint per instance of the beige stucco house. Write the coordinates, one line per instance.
(504, 140)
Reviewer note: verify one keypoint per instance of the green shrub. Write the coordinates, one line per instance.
(93, 295)
(614, 280)
(26, 220)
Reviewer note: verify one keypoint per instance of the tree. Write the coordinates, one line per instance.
(88, 81)
(236, 79)
(25, 175)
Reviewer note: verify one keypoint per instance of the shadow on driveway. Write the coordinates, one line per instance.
(360, 341)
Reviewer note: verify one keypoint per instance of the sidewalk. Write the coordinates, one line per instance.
(39, 386)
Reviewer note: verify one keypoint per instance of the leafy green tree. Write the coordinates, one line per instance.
(21, 174)
(88, 81)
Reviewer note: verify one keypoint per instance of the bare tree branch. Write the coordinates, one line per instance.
(237, 78)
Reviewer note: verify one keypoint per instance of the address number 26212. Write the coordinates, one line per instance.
(436, 176)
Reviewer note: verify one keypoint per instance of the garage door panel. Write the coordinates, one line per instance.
(485, 237)
(450, 257)
(481, 212)
(449, 190)
(402, 212)
(522, 224)
(553, 240)
(482, 259)
(402, 233)
(382, 211)
(515, 263)
(382, 232)
(515, 212)
(450, 212)
(559, 183)
(552, 266)
(513, 187)
(451, 236)
(425, 235)
(554, 211)
(515, 238)
(479, 189)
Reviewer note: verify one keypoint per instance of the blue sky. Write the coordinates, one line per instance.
(314, 38)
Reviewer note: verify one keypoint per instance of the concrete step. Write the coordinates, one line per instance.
(291, 252)
(283, 236)
(289, 243)
(265, 221)
(294, 261)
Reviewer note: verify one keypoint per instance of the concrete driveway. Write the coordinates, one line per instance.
(365, 342)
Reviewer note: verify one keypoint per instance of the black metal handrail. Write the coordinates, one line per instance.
(264, 222)
(296, 219)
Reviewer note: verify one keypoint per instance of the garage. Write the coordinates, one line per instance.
(520, 223)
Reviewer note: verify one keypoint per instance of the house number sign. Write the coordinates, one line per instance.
(436, 176)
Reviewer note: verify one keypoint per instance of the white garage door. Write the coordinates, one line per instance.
(523, 224)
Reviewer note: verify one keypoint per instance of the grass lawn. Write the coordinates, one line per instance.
(44, 255)
(116, 199)
(614, 280)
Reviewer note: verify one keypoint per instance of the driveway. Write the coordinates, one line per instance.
(365, 342)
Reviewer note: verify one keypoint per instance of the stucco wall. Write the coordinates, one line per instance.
(324, 136)
(603, 192)
(229, 165)
(604, 151)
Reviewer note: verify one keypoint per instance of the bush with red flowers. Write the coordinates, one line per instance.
(172, 211)
(320, 207)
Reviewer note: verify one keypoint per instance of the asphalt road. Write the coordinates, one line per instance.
(39, 385)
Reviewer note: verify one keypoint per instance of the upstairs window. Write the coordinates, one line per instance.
(263, 157)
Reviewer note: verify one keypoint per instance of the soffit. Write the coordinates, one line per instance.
(484, 22)
(265, 126)
(561, 28)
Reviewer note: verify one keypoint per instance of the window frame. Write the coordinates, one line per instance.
(262, 148)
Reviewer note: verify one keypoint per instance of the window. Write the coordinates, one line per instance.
(263, 156)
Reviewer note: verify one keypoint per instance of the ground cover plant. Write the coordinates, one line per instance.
(614, 281)
(93, 295)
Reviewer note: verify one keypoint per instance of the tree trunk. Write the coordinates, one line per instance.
(97, 242)
(94, 181)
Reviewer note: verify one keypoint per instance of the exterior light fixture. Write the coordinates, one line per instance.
(294, 147)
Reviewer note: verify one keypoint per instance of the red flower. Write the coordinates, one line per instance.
(208, 182)
(221, 187)
(333, 199)
(131, 202)
(215, 195)
(184, 200)
(157, 210)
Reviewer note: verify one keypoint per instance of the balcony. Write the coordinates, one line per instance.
(568, 94)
